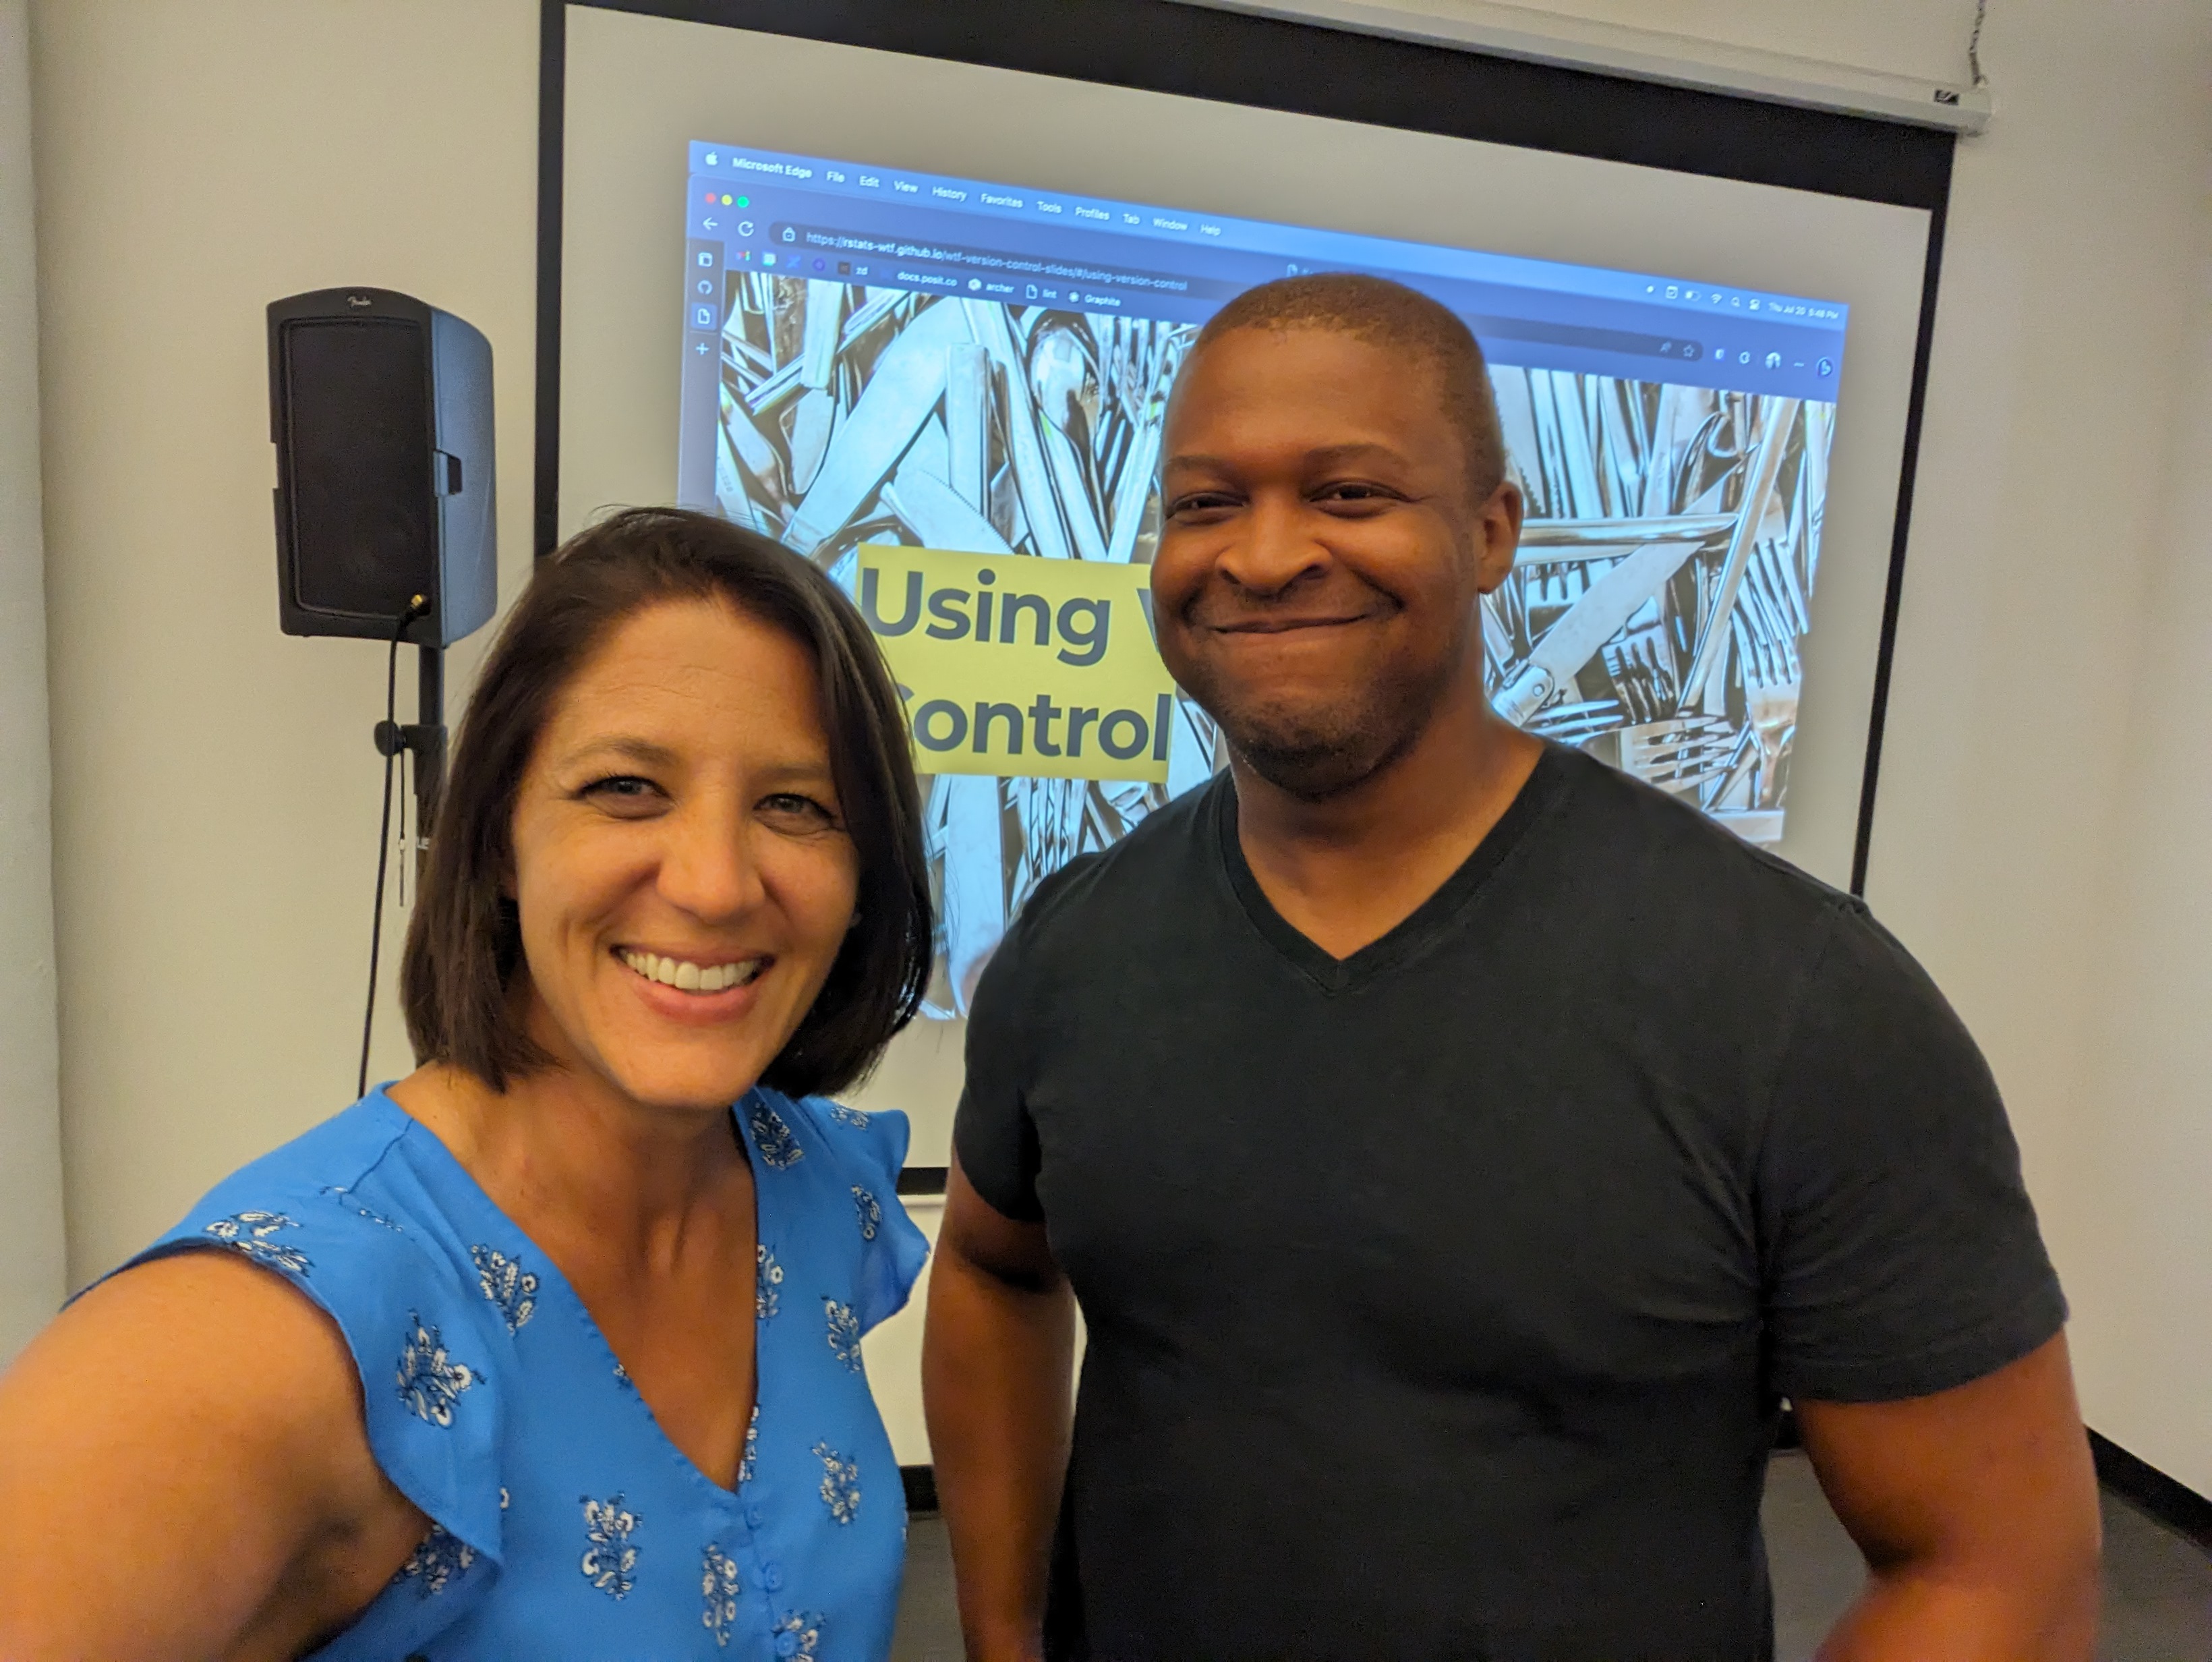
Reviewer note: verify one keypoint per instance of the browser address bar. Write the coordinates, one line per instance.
(856, 245)
(856, 250)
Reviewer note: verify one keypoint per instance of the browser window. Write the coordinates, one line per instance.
(927, 383)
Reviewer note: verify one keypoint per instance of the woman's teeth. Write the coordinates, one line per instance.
(689, 978)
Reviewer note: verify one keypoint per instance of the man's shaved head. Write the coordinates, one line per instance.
(1390, 316)
(1332, 506)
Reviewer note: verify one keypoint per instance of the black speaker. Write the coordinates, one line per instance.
(380, 410)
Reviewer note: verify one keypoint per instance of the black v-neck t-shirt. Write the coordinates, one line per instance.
(1439, 1299)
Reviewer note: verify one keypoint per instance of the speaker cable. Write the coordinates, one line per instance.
(391, 742)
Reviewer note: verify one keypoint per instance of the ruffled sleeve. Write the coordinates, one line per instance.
(870, 1148)
(431, 1359)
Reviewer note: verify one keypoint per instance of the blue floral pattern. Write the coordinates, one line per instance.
(841, 1483)
(248, 1233)
(718, 1581)
(439, 1560)
(798, 1633)
(495, 1402)
(430, 1381)
(855, 1117)
(609, 1562)
(777, 1144)
(844, 1333)
(766, 1277)
(512, 1289)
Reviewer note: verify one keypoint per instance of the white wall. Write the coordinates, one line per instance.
(2042, 584)
(2139, 1151)
(215, 805)
(2044, 552)
(2042, 810)
(31, 1268)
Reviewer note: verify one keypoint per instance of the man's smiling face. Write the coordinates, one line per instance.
(1323, 551)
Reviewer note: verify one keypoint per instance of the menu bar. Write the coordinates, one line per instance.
(1313, 246)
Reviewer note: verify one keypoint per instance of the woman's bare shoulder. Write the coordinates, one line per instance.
(177, 1449)
(193, 1306)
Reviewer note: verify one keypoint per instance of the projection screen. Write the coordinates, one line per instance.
(916, 318)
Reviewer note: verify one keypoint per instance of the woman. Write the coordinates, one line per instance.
(544, 1351)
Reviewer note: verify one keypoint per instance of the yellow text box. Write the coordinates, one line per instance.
(1019, 666)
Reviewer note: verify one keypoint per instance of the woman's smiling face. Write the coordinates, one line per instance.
(680, 863)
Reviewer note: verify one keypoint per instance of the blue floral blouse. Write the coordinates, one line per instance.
(563, 1522)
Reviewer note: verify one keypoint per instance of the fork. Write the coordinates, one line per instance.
(1773, 674)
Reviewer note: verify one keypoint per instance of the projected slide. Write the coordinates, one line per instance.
(948, 393)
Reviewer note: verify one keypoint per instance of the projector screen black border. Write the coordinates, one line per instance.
(1311, 68)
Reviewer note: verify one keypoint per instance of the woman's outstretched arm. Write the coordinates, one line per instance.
(184, 1474)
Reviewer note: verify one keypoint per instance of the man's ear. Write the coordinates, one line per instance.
(1498, 532)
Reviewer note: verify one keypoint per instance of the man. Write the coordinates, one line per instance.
(1457, 1148)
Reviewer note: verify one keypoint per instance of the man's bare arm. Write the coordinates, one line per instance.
(183, 1473)
(1977, 1511)
(996, 1360)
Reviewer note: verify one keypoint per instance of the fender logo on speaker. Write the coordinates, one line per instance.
(359, 299)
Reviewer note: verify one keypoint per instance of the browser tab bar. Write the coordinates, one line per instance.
(885, 230)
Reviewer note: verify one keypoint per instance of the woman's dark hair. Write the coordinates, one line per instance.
(465, 940)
